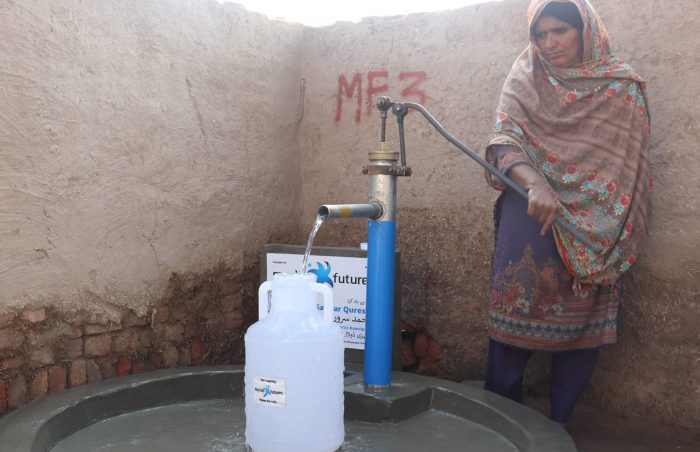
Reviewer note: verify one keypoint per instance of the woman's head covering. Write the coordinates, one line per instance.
(585, 130)
(564, 11)
(596, 44)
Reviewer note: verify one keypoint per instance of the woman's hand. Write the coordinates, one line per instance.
(542, 204)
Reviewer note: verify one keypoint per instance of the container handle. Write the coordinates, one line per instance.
(264, 299)
(327, 294)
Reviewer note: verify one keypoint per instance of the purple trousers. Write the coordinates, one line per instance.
(570, 373)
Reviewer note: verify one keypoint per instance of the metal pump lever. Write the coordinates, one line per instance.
(401, 108)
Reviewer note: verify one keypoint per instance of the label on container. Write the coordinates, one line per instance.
(269, 391)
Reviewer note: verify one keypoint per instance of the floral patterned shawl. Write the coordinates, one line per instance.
(585, 130)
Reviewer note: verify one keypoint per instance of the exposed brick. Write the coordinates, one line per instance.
(433, 349)
(92, 371)
(6, 319)
(233, 320)
(94, 328)
(170, 356)
(74, 348)
(161, 314)
(408, 357)
(124, 366)
(155, 359)
(39, 385)
(230, 287)
(108, 367)
(10, 338)
(196, 350)
(11, 363)
(175, 333)
(145, 339)
(41, 357)
(57, 379)
(138, 367)
(195, 304)
(184, 358)
(191, 329)
(179, 313)
(231, 302)
(78, 373)
(3, 396)
(124, 341)
(33, 315)
(16, 392)
(132, 319)
(215, 323)
(421, 344)
(98, 345)
(78, 317)
(51, 335)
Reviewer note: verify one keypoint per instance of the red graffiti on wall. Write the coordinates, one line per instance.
(377, 85)
(349, 91)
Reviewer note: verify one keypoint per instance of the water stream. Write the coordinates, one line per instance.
(317, 225)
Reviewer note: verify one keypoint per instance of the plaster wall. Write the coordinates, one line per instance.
(137, 140)
(445, 229)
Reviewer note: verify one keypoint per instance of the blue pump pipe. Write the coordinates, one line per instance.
(379, 323)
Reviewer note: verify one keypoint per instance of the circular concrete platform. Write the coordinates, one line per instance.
(201, 409)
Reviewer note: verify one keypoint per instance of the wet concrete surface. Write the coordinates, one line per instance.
(205, 425)
(429, 431)
(218, 426)
(202, 409)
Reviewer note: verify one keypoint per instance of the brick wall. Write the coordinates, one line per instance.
(199, 321)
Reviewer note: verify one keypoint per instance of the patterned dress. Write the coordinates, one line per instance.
(534, 304)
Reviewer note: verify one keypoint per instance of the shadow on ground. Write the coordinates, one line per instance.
(597, 429)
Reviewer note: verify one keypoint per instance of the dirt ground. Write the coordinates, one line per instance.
(597, 429)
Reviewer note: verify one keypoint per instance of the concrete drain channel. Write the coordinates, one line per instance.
(202, 409)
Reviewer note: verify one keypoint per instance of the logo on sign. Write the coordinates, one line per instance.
(322, 273)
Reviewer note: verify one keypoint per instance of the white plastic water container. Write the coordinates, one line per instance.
(294, 370)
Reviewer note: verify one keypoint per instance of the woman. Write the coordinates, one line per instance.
(573, 130)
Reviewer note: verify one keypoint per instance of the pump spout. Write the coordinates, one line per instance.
(372, 210)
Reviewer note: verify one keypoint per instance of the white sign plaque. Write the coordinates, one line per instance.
(347, 278)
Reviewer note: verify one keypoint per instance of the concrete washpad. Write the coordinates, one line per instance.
(202, 409)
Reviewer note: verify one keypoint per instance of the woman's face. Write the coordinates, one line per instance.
(559, 42)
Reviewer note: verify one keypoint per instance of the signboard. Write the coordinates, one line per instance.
(347, 278)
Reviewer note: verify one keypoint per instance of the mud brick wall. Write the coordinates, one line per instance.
(43, 350)
(138, 140)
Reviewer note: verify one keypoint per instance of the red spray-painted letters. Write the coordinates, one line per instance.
(376, 85)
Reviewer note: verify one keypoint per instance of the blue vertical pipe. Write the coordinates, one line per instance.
(379, 323)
